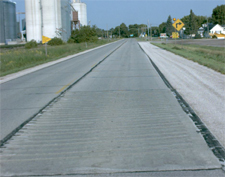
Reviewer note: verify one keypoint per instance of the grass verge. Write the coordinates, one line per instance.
(17, 59)
(212, 57)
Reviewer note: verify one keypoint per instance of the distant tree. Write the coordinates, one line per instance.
(116, 31)
(121, 30)
(99, 31)
(218, 15)
(200, 20)
(192, 23)
(169, 27)
(84, 34)
(133, 29)
(193, 27)
(162, 27)
(124, 30)
(155, 31)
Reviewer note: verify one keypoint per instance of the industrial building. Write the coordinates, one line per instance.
(81, 8)
(8, 25)
(50, 18)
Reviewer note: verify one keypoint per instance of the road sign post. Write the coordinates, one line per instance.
(178, 25)
(45, 41)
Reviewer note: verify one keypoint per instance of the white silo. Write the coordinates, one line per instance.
(33, 20)
(50, 18)
(82, 11)
(51, 10)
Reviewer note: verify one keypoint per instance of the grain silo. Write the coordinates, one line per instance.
(7, 21)
(48, 18)
(33, 20)
(82, 11)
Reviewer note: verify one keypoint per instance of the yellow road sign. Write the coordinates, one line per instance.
(178, 24)
(175, 35)
(45, 39)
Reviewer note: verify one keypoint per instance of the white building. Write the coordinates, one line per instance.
(50, 18)
(217, 29)
(82, 11)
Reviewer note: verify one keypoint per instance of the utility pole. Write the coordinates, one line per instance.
(107, 32)
(148, 29)
(207, 26)
(151, 31)
(119, 31)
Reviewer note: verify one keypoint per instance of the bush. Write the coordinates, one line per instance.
(198, 36)
(214, 37)
(70, 41)
(31, 44)
(55, 41)
(84, 34)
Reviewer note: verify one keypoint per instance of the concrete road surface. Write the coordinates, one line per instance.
(23, 97)
(120, 120)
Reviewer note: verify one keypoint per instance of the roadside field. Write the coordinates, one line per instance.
(17, 59)
(212, 57)
(204, 42)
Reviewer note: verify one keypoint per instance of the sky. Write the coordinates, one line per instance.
(111, 13)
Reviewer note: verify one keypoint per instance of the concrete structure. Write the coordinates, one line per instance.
(82, 11)
(7, 21)
(47, 18)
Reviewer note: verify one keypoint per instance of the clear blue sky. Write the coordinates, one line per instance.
(115, 12)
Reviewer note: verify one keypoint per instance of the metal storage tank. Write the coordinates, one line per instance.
(7, 20)
(33, 20)
(82, 11)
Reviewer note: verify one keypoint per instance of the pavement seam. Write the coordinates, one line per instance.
(115, 173)
(50, 103)
(215, 146)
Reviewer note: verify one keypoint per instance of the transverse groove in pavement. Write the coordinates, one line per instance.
(119, 118)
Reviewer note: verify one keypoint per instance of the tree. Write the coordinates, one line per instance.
(122, 31)
(84, 34)
(169, 27)
(200, 20)
(192, 23)
(162, 27)
(155, 31)
(193, 28)
(218, 15)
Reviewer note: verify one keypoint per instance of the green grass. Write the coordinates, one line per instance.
(212, 57)
(11, 46)
(17, 59)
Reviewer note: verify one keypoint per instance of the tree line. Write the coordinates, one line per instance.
(192, 23)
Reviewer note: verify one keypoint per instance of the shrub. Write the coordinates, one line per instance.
(55, 41)
(70, 41)
(31, 44)
(176, 48)
(214, 37)
(198, 36)
(84, 34)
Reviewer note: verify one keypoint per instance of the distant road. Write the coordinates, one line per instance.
(205, 42)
